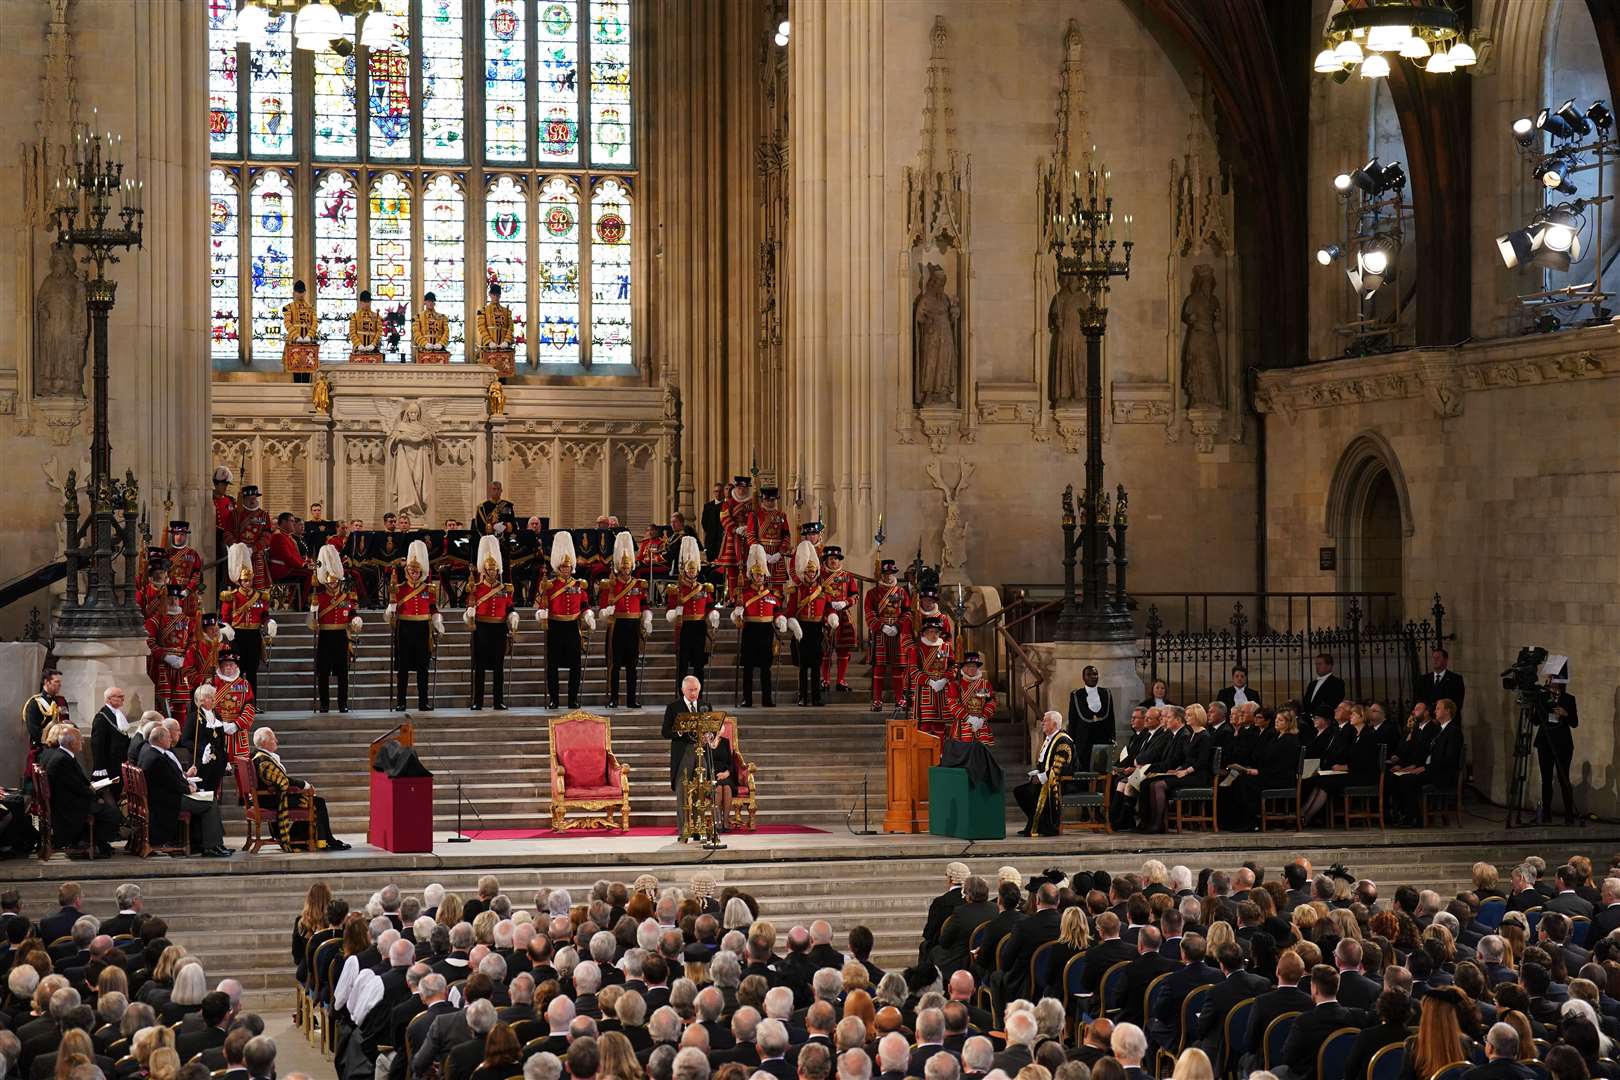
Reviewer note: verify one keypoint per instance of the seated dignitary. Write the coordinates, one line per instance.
(284, 793)
(171, 789)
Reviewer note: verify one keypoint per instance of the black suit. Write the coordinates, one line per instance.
(952, 951)
(59, 924)
(1429, 690)
(193, 1043)
(1568, 903)
(1604, 921)
(1356, 991)
(1267, 1007)
(74, 804)
(167, 793)
(1321, 700)
(1090, 727)
(1555, 749)
(1222, 996)
(1369, 1042)
(939, 909)
(1441, 767)
(1031, 934)
(1228, 696)
(1311, 1029)
(713, 534)
(1500, 1069)
(1164, 1028)
(1102, 956)
(1139, 975)
(109, 747)
(779, 1068)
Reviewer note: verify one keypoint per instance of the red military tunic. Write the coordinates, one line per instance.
(760, 603)
(887, 605)
(168, 635)
(651, 556)
(841, 586)
(224, 508)
(911, 632)
(202, 659)
(733, 547)
(967, 697)
(490, 603)
(151, 599)
(185, 568)
(808, 603)
(562, 598)
(690, 597)
(252, 527)
(233, 703)
(933, 664)
(769, 529)
(626, 596)
(334, 607)
(415, 603)
(244, 609)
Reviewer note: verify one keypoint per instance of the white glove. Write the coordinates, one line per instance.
(172, 661)
(499, 529)
(840, 605)
(975, 722)
(269, 629)
(438, 623)
(646, 622)
(208, 753)
(832, 621)
(714, 618)
(798, 631)
(737, 614)
(590, 621)
(314, 619)
(227, 632)
(388, 612)
(1038, 776)
(742, 530)
(774, 558)
(231, 729)
(607, 612)
(512, 620)
(469, 616)
(541, 614)
(780, 624)
(355, 625)
(672, 615)
(936, 685)
(891, 631)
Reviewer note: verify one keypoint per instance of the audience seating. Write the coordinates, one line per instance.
(1204, 796)
(138, 815)
(1334, 1052)
(1275, 1036)
(1388, 1063)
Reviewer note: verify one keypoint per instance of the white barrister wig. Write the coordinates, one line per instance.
(329, 565)
(804, 559)
(417, 555)
(756, 559)
(489, 551)
(562, 551)
(239, 561)
(624, 551)
(691, 556)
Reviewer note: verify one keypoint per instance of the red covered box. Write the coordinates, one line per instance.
(401, 813)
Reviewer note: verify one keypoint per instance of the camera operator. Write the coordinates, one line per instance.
(1555, 742)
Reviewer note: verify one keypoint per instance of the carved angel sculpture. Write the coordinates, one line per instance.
(412, 425)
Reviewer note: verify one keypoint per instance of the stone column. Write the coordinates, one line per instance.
(839, 284)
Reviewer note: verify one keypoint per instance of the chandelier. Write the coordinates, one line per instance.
(1364, 38)
(318, 24)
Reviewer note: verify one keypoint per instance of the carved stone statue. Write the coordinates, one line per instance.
(1202, 369)
(935, 320)
(953, 529)
(1066, 361)
(408, 452)
(61, 327)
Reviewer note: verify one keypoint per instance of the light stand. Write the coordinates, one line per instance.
(85, 217)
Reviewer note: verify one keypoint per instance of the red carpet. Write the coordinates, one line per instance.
(646, 830)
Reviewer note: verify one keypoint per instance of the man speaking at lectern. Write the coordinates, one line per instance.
(681, 746)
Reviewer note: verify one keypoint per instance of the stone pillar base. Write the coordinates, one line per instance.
(90, 666)
(1115, 662)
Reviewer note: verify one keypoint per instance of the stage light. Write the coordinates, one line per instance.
(1366, 177)
(1553, 124)
(251, 22)
(1516, 248)
(1393, 178)
(1348, 51)
(1462, 54)
(784, 28)
(1440, 64)
(1524, 130)
(1552, 177)
(1328, 62)
(1572, 116)
(780, 39)
(1374, 67)
(1600, 116)
(1378, 254)
(1343, 183)
(1415, 48)
(1326, 255)
(1547, 322)
(1560, 230)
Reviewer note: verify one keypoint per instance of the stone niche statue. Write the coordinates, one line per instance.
(936, 319)
(408, 451)
(62, 325)
(1202, 369)
(1066, 359)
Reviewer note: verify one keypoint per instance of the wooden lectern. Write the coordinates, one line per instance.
(910, 754)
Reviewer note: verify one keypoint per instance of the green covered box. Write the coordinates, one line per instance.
(956, 808)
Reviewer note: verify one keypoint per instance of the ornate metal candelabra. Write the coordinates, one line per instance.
(99, 209)
(1082, 239)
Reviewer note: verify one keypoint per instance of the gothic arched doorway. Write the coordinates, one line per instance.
(1369, 517)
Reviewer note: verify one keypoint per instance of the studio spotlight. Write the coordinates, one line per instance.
(780, 39)
(1393, 178)
(1552, 177)
(1553, 124)
(1524, 130)
(1366, 177)
(1547, 322)
(1560, 231)
(1378, 255)
(1572, 116)
(1343, 183)
(1600, 116)
(1326, 255)
(1517, 248)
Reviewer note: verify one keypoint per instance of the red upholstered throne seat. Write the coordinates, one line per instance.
(586, 779)
(746, 801)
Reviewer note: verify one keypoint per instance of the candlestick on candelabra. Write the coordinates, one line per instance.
(98, 208)
(1081, 235)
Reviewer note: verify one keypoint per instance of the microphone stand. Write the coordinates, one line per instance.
(866, 824)
(461, 837)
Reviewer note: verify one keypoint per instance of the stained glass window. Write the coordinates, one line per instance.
(389, 221)
(337, 261)
(224, 97)
(337, 133)
(444, 113)
(556, 337)
(224, 266)
(506, 250)
(557, 98)
(444, 255)
(271, 90)
(388, 73)
(610, 82)
(505, 80)
(610, 273)
(273, 225)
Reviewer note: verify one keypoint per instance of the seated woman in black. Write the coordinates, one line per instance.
(1353, 763)
(1192, 764)
(1274, 764)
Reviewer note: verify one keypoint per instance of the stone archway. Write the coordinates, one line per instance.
(1369, 517)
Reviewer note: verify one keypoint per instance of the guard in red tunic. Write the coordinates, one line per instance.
(622, 600)
(152, 592)
(202, 658)
(928, 608)
(233, 703)
(768, 527)
(562, 603)
(970, 702)
(224, 505)
(413, 611)
(652, 554)
(812, 531)
(185, 565)
(250, 525)
(930, 677)
(888, 607)
(332, 615)
(168, 640)
(492, 620)
(244, 615)
(810, 617)
(735, 510)
(689, 607)
(759, 618)
(843, 592)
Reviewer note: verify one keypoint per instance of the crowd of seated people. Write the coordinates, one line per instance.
(112, 997)
(1306, 976)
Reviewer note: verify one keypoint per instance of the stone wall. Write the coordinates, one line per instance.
(1506, 466)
